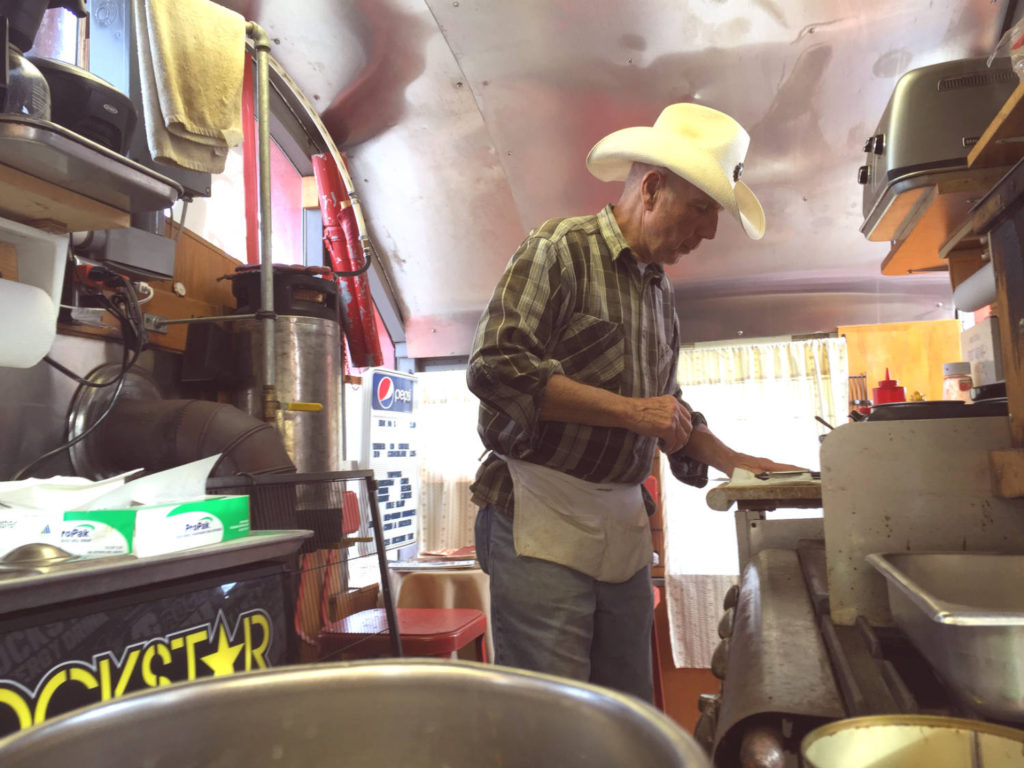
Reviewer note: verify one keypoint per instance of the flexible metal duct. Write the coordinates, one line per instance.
(160, 434)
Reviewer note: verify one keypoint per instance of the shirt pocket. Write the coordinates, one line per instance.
(592, 351)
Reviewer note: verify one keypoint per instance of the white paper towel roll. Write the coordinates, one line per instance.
(977, 291)
(28, 324)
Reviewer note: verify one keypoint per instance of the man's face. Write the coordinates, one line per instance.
(677, 217)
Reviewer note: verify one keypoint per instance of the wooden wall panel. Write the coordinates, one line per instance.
(8, 262)
(197, 267)
(913, 352)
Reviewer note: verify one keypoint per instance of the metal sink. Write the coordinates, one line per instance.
(965, 612)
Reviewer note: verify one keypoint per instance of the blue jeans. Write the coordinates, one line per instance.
(549, 618)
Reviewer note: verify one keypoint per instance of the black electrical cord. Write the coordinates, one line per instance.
(81, 436)
(124, 305)
(367, 251)
(75, 377)
(131, 319)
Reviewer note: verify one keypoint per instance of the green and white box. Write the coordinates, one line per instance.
(163, 528)
(82, 534)
(97, 533)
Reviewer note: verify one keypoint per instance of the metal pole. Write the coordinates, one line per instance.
(394, 630)
(262, 44)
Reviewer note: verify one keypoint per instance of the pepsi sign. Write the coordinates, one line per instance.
(391, 392)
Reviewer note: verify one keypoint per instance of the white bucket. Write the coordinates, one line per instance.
(912, 741)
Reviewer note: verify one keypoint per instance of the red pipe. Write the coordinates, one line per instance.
(341, 238)
(251, 187)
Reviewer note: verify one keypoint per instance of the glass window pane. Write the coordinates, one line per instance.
(286, 209)
(220, 219)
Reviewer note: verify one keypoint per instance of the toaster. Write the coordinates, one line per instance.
(935, 115)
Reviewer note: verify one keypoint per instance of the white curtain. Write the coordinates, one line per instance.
(761, 399)
(449, 457)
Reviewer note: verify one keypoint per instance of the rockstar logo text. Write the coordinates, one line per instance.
(208, 650)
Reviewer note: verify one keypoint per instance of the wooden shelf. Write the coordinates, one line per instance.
(1002, 143)
(936, 215)
(38, 203)
(56, 180)
(927, 238)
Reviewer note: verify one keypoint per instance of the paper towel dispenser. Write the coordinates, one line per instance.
(29, 307)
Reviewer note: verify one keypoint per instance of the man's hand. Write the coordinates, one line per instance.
(665, 418)
(757, 465)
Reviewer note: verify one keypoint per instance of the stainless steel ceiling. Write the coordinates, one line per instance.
(467, 122)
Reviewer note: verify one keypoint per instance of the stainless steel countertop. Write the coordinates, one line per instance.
(25, 589)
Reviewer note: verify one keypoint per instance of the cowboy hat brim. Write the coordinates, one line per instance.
(611, 158)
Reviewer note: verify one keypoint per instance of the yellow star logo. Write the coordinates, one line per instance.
(222, 661)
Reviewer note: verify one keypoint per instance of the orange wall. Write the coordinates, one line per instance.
(913, 353)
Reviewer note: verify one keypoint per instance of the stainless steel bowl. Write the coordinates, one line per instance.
(395, 713)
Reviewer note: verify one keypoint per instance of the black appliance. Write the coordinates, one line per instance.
(88, 105)
(934, 117)
(23, 89)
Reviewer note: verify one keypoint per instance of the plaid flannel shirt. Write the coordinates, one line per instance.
(573, 301)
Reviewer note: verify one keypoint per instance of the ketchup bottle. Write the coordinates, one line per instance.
(888, 391)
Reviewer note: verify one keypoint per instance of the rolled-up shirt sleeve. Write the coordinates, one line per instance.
(684, 468)
(509, 366)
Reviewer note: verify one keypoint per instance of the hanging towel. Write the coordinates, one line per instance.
(191, 62)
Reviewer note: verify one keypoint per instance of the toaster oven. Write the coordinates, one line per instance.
(935, 115)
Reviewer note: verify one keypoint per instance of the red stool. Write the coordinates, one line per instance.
(424, 631)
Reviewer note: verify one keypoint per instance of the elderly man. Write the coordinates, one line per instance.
(574, 363)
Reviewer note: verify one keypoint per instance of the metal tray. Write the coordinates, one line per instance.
(964, 611)
(54, 154)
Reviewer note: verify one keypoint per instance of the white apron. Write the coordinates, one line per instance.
(599, 529)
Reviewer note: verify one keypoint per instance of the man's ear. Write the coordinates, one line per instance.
(650, 187)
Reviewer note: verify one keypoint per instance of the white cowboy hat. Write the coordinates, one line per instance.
(702, 145)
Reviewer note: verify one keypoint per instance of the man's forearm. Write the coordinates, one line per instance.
(570, 401)
(663, 418)
(708, 449)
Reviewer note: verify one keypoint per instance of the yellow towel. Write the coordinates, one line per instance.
(191, 76)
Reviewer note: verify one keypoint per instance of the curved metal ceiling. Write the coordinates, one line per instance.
(466, 123)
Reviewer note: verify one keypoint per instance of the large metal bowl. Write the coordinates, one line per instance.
(965, 612)
(396, 713)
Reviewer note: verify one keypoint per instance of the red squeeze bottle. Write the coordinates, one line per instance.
(888, 392)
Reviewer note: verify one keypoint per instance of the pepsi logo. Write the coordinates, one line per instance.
(386, 392)
(392, 394)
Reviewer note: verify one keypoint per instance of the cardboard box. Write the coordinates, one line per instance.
(83, 534)
(147, 530)
(163, 528)
(155, 514)
(980, 347)
(96, 533)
